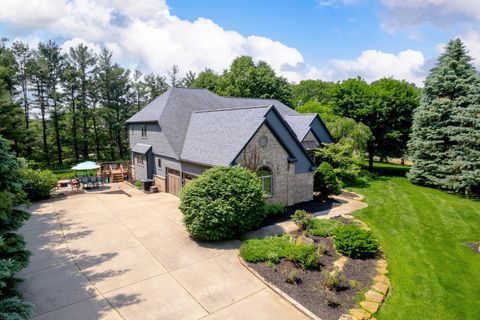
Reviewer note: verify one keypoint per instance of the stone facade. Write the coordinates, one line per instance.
(287, 187)
(303, 187)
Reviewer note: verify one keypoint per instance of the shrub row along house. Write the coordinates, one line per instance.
(186, 131)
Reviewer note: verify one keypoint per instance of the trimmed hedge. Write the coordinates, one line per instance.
(223, 203)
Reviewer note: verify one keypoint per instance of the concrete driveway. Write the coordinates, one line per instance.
(122, 254)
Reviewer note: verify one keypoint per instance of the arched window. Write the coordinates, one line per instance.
(265, 175)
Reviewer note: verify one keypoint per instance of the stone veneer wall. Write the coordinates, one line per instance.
(288, 188)
(303, 187)
(272, 156)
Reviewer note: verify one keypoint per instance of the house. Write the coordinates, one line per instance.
(186, 131)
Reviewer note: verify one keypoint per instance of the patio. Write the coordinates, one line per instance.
(118, 253)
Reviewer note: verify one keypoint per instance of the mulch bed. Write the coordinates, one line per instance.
(310, 290)
(312, 206)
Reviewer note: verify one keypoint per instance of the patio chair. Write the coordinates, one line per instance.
(84, 182)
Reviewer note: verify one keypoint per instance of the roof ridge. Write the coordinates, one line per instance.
(230, 109)
(251, 98)
(301, 115)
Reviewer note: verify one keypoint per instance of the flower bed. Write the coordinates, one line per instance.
(307, 267)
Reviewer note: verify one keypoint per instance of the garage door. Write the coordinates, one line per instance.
(173, 181)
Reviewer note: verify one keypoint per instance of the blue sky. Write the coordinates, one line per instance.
(326, 39)
(319, 32)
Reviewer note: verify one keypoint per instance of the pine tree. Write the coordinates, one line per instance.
(445, 140)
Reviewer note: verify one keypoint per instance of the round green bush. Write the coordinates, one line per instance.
(355, 243)
(223, 203)
(38, 183)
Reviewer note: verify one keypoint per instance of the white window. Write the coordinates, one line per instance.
(144, 130)
(265, 175)
(139, 159)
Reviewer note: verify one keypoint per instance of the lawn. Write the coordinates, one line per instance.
(423, 231)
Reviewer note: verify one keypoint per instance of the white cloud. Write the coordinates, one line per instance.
(144, 34)
(409, 13)
(95, 48)
(472, 42)
(373, 65)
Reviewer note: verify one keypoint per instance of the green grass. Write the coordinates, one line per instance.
(64, 173)
(434, 275)
(389, 169)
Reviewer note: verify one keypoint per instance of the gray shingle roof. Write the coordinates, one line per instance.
(216, 137)
(300, 124)
(141, 148)
(174, 108)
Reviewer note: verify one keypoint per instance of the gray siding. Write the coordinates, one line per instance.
(193, 168)
(155, 137)
(303, 163)
(166, 163)
(143, 172)
(321, 131)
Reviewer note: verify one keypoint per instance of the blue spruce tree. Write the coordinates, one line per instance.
(445, 139)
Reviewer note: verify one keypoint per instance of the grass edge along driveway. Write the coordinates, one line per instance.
(434, 275)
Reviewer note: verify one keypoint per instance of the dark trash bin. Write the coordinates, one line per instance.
(146, 184)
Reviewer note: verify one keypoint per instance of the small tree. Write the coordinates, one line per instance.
(223, 203)
(326, 181)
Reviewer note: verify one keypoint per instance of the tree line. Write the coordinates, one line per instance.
(61, 107)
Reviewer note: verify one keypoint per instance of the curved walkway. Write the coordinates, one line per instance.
(350, 202)
(122, 254)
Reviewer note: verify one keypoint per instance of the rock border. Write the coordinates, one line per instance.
(377, 293)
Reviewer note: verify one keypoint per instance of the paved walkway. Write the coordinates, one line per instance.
(350, 202)
(122, 254)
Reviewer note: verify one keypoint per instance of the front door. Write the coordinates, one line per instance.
(173, 181)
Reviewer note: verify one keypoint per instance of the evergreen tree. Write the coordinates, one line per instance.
(445, 140)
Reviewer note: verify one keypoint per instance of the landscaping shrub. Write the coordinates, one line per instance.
(138, 183)
(273, 209)
(325, 181)
(321, 248)
(290, 275)
(223, 203)
(324, 227)
(345, 163)
(272, 249)
(258, 250)
(15, 309)
(354, 242)
(38, 183)
(303, 255)
(334, 280)
(331, 299)
(302, 219)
